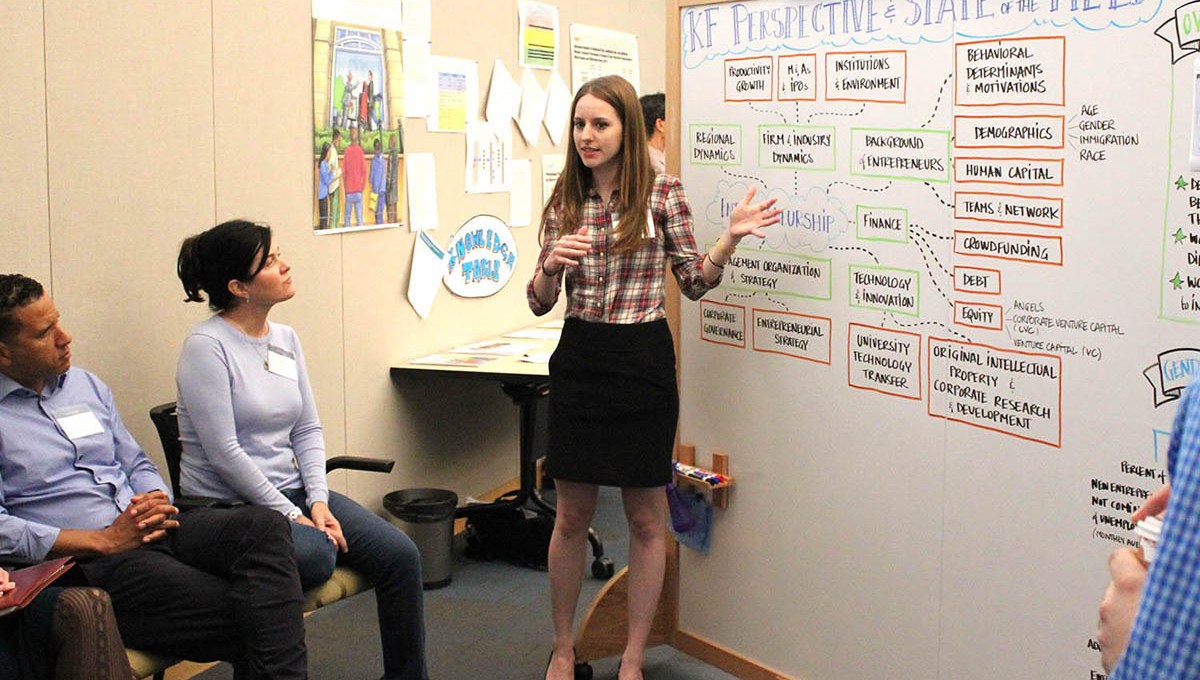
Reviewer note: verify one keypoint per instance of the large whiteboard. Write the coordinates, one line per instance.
(948, 378)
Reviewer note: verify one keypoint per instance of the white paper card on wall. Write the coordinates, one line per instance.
(558, 108)
(425, 275)
(417, 20)
(521, 196)
(533, 106)
(419, 92)
(421, 175)
(552, 167)
(503, 100)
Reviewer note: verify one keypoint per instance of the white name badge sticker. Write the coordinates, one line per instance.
(649, 222)
(78, 422)
(281, 362)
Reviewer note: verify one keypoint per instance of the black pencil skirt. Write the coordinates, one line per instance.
(613, 404)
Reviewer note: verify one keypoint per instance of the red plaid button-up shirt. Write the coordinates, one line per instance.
(627, 287)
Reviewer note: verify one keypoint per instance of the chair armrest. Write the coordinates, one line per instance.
(359, 463)
(185, 503)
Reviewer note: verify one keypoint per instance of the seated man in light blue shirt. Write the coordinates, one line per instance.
(205, 585)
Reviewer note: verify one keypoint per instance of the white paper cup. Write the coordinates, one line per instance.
(1149, 530)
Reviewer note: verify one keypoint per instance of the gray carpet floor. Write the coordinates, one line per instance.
(492, 622)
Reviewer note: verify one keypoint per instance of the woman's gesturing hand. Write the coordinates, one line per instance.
(751, 218)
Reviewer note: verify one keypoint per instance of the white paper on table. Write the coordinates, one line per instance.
(425, 275)
(536, 334)
(461, 360)
(520, 198)
(503, 100)
(552, 167)
(533, 107)
(502, 348)
(421, 175)
(419, 93)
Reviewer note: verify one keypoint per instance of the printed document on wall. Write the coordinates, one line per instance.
(599, 52)
(539, 34)
(457, 83)
(487, 160)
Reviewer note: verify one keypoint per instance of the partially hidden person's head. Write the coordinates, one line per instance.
(654, 113)
(34, 347)
(378, 146)
(325, 151)
(233, 264)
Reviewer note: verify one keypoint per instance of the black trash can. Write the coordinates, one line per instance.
(427, 516)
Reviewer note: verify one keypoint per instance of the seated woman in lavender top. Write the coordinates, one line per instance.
(249, 429)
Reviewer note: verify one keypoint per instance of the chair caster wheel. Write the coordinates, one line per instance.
(583, 671)
(602, 568)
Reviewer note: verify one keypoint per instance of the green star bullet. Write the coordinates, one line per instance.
(1177, 282)
(1181, 183)
(1179, 235)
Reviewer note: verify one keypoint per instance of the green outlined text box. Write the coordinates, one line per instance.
(874, 223)
(714, 144)
(758, 270)
(885, 289)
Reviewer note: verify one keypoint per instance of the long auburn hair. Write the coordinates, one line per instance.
(636, 178)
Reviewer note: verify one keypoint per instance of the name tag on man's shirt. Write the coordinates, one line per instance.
(281, 362)
(78, 422)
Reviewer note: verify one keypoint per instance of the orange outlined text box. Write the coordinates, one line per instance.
(795, 335)
(1032, 211)
(1022, 172)
(749, 79)
(978, 280)
(1011, 72)
(879, 77)
(884, 360)
(797, 77)
(1009, 246)
(1010, 132)
(723, 324)
(979, 315)
(1007, 391)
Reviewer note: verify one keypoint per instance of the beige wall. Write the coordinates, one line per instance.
(133, 123)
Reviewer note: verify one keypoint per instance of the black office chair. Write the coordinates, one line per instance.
(344, 582)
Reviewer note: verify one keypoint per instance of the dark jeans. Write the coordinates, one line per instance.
(27, 639)
(390, 559)
(223, 586)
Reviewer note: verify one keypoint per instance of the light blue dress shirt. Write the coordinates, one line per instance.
(50, 482)
(1165, 644)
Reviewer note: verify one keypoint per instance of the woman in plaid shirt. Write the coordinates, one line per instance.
(608, 229)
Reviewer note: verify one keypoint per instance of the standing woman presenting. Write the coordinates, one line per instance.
(249, 429)
(608, 230)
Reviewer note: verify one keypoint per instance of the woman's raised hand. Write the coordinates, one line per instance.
(751, 218)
